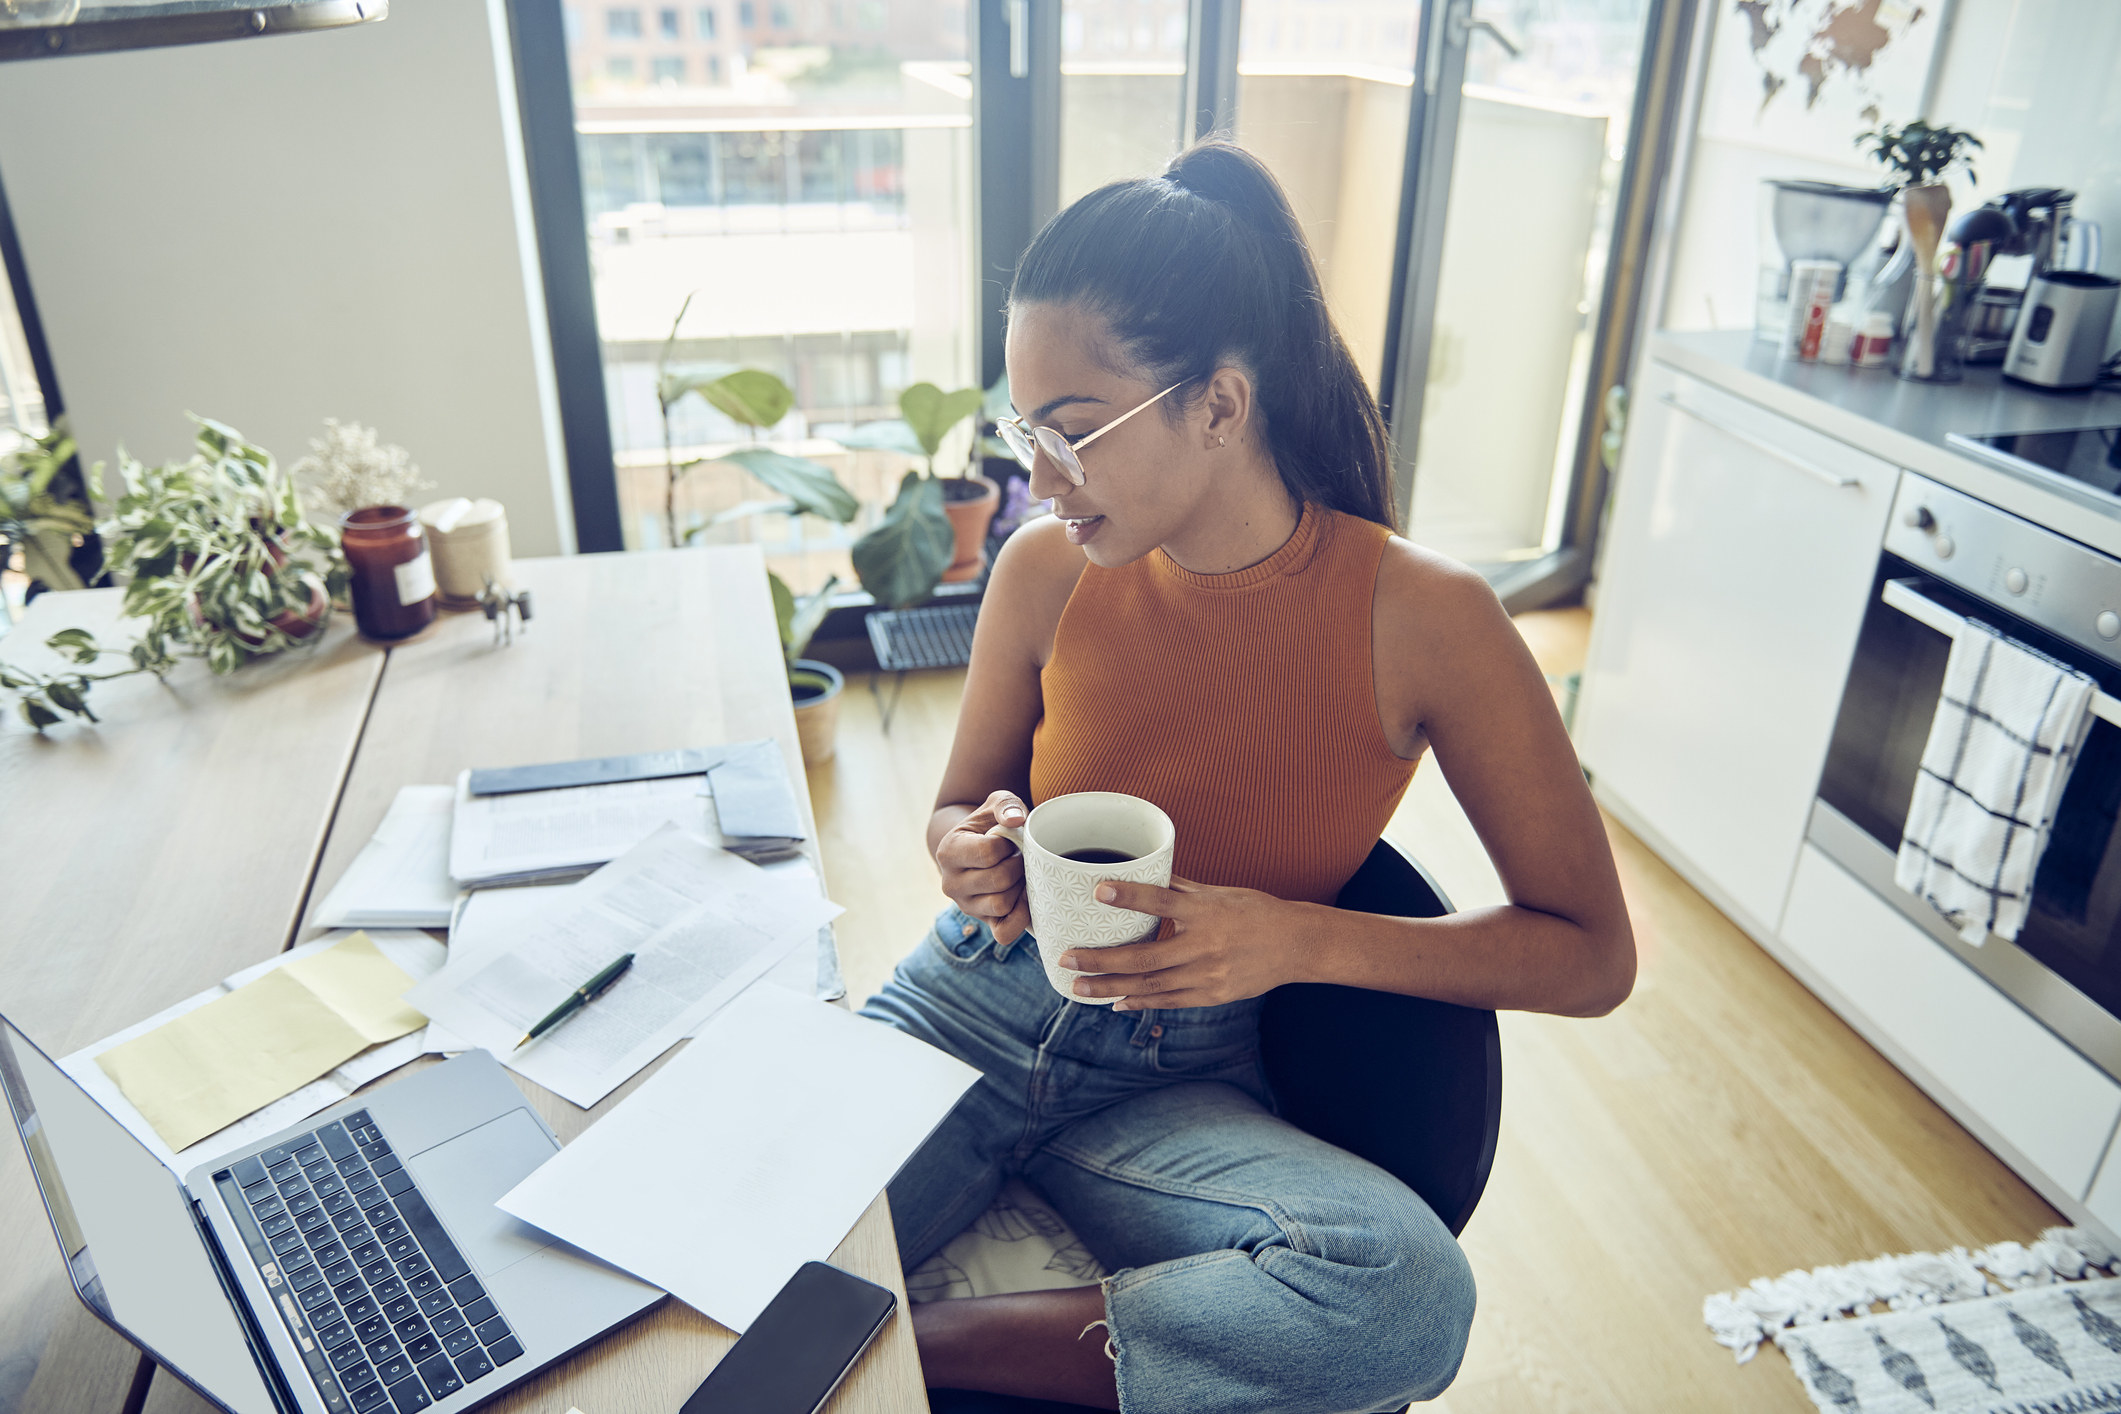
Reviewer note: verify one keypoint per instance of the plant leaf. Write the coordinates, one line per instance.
(77, 643)
(751, 396)
(811, 485)
(890, 436)
(783, 607)
(70, 694)
(809, 614)
(931, 412)
(902, 560)
(37, 714)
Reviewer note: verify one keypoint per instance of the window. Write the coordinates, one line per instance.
(747, 14)
(706, 21)
(571, 24)
(622, 24)
(782, 19)
(666, 68)
(667, 23)
(619, 66)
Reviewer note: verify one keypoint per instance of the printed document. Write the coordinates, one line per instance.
(222, 1059)
(544, 833)
(400, 879)
(702, 925)
(755, 1150)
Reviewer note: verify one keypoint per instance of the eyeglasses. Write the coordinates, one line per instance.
(1026, 441)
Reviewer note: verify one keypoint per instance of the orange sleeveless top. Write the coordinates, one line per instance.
(1243, 704)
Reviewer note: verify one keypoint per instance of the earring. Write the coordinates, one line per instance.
(1220, 441)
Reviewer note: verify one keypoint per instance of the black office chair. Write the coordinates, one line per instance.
(1412, 1085)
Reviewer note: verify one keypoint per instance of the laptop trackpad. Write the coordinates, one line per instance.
(463, 1176)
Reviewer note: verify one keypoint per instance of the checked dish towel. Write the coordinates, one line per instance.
(2010, 722)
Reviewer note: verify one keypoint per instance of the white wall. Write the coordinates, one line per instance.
(2038, 81)
(280, 230)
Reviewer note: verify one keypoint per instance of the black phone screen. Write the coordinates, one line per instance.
(798, 1348)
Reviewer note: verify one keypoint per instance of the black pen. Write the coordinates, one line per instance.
(581, 996)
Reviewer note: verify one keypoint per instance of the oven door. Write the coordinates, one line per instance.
(2065, 966)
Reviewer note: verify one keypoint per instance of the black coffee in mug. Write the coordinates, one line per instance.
(1099, 856)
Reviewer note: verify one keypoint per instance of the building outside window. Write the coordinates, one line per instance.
(619, 66)
(622, 24)
(812, 195)
(667, 24)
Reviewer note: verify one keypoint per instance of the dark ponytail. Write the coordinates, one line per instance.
(1206, 267)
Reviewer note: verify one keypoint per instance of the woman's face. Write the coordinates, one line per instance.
(1142, 482)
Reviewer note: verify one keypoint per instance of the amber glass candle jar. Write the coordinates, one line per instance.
(393, 575)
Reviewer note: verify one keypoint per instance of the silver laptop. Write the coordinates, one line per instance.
(355, 1263)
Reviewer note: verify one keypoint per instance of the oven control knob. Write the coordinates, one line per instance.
(1945, 546)
(2108, 624)
(1918, 518)
(2014, 580)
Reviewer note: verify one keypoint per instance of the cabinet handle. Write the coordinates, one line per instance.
(1902, 595)
(1762, 445)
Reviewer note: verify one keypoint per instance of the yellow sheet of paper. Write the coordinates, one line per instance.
(355, 980)
(201, 1072)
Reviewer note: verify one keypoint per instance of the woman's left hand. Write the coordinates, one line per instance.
(1225, 945)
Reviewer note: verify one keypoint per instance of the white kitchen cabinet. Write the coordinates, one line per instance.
(1738, 565)
(1978, 1052)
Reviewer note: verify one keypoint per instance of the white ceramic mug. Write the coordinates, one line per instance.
(1062, 892)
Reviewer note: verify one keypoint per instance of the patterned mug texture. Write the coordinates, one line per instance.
(1062, 892)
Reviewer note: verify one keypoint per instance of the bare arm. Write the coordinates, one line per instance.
(1453, 676)
(988, 780)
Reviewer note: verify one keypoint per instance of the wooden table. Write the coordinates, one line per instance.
(625, 653)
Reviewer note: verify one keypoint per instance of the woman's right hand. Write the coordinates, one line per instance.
(983, 874)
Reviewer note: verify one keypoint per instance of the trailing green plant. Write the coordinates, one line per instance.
(33, 517)
(1918, 154)
(756, 400)
(218, 562)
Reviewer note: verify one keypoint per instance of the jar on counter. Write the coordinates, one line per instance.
(393, 574)
(470, 543)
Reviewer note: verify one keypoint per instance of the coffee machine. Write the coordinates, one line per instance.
(2003, 247)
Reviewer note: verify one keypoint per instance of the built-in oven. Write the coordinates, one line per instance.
(1947, 558)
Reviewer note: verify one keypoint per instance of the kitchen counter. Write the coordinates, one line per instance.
(1906, 423)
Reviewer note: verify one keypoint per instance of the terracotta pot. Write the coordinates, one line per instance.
(969, 518)
(815, 688)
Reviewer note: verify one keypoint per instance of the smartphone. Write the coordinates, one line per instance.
(799, 1349)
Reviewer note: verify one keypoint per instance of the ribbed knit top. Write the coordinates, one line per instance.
(1243, 704)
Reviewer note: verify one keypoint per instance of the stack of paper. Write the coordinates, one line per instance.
(754, 804)
(755, 1150)
(400, 879)
(269, 1046)
(702, 924)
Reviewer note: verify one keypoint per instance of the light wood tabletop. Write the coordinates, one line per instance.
(147, 857)
(623, 654)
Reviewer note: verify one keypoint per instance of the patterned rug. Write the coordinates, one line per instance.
(2006, 1329)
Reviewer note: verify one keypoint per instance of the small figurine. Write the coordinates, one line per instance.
(504, 610)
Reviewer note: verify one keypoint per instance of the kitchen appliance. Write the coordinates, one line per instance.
(2002, 246)
(2061, 337)
(1948, 558)
(1803, 220)
(2085, 456)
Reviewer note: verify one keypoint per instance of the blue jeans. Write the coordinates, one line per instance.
(1254, 1268)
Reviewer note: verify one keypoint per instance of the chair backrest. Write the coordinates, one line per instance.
(1412, 1085)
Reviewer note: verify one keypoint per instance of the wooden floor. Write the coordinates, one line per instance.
(1721, 1125)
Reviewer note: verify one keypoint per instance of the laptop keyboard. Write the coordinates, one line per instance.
(386, 1312)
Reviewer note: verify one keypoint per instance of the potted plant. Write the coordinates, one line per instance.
(35, 517)
(813, 686)
(218, 562)
(935, 531)
(756, 400)
(1919, 157)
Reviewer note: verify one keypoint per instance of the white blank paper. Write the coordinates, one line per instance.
(754, 1150)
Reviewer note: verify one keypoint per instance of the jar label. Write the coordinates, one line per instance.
(416, 578)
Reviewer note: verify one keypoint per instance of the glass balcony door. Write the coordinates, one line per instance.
(1523, 138)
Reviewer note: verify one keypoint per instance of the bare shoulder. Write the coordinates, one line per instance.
(1033, 576)
(1432, 618)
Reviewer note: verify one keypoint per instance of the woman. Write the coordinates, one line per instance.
(1218, 618)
